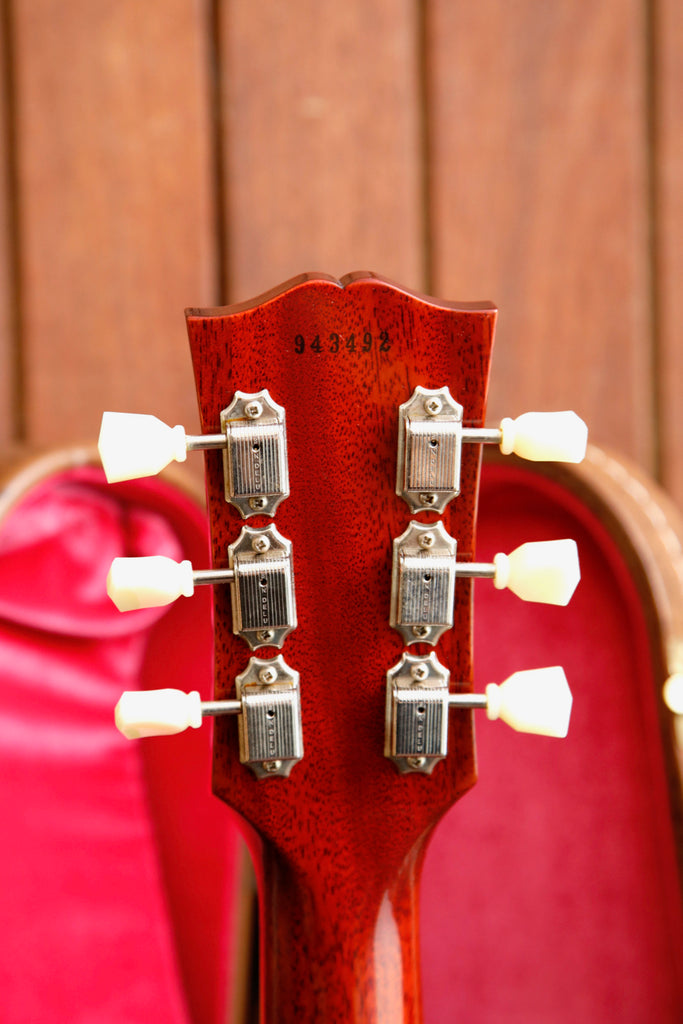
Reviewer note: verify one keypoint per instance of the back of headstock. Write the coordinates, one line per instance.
(341, 360)
(338, 834)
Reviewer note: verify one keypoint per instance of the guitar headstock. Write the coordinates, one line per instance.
(341, 359)
(341, 486)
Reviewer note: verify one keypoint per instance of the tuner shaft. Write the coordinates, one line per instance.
(204, 442)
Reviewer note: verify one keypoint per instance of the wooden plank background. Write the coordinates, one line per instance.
(179, 153)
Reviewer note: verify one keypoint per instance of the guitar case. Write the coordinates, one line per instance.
(550, 893)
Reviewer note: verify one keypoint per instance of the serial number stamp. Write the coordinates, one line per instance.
(336, 344)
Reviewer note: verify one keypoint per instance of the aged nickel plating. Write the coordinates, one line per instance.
(417, 713)
(430, 440)
(262, 587)
(423, 583)
(270, 734)
(255, 453)
(418, 701)
(429, 449)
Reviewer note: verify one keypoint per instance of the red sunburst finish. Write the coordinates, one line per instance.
(338, 845)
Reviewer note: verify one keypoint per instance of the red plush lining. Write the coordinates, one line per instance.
(551, 891)
(118, 866)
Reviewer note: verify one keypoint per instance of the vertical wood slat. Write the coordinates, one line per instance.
(668, 89)
(115, 218)
(540, 201)
(7, 354)
(322, 166)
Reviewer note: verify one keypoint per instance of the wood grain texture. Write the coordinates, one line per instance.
(322, 136)
(540, 201)
(668, 91)
(8, 382)
(339, 844)
(115, 215)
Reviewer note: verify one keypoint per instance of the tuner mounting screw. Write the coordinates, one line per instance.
(253, 410)
(416, 762)
(272, 766)
(419, 672)
(427, 498)
(257, 504)
(426, 540)
(433, 406)
(268, 675)
(421, 632)
(261, 544)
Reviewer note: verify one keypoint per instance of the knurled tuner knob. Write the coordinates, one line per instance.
(425, 572)
(268, 706)
(260, 574)
(431, 434)
(418, 700)
(252, 439)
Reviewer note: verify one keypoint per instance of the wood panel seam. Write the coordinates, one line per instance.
(16, 367)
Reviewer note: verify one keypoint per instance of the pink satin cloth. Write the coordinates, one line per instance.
(118, 866)
(550, 892)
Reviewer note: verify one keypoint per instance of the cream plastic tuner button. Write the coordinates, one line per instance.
(537, 701)
(141, 713)
(132, 445)
(149, 582)
(545, 571)
(545, 437)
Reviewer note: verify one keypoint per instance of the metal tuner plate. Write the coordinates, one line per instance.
(255, 454)
(417, 713)
(423, 583)
(270, 734)
(429, 449)
(262, 588)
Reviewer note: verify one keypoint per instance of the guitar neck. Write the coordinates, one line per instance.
(341, 943)
(346, 756)
(339, 843)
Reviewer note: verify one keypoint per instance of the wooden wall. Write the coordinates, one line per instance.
(184, 152)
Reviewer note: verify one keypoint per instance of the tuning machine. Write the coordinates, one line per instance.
(252, 439)
(418, 701)
(260, 576)
(431, 435)
(425, 571)
(268, 707)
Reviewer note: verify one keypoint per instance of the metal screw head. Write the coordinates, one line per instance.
(433, 405)
(253, 410)
(426, 540)
(421, 631)
(420, 671)
(272, 766)
(416, 762)
(268, 675)
(261, 544)
(427, 498)
(257, 504)
(264, 636)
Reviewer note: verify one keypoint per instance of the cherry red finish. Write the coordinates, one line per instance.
(339, 845)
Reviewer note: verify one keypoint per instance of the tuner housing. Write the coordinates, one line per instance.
(270, 733)
(255, 453)
(429, 449)
(262, 587)
(423, 583)
(416, 736)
